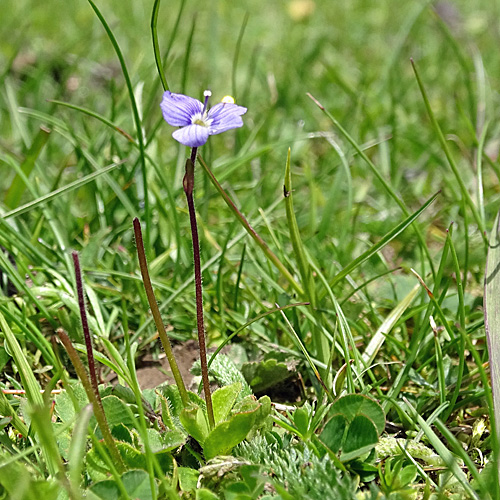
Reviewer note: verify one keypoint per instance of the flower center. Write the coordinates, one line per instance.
(201, 119)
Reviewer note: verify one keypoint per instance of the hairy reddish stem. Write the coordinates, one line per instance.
(188, 184)
(85, 326)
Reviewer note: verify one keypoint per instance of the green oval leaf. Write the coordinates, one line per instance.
(165, 441)
(228, 434)
(223, 400)
(353, 405)
(360, 438)
(117, 412)
(135, 482)
(194, 421)
(333, 433)
(302, 421)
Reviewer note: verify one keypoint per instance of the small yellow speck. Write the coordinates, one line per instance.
(228, 99)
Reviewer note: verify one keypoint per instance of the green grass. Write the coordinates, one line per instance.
(385, 138)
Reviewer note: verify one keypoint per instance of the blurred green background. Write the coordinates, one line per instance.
(354, 57)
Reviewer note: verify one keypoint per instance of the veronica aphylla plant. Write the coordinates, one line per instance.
(198, 122)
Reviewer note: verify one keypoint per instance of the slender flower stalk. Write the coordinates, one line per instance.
(188, 184)
(197, 123)
(156, 313)
(85, 326)
(89, 382)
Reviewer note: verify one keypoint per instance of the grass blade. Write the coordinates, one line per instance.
(298, 248)
(99, 117)
(187, 53)
(444, 453)
(302, 347)
(65, 189)
(28, 380)
(390, 191)
(384, 241)
(41, 421)
(237, 50)
(248, 323)
(77, 143)
(31, 333)
(492, 326)
(33, 393)
(321, 344)
(461, 315)
(384, 329)
(449, 157)
(17, 187)
(251, 231)
(333, 195)
(156, 45)
(7, 411)
(345, 339)
(137, 118)
(78, 446)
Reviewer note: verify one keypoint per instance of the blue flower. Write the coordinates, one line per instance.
(198, 122)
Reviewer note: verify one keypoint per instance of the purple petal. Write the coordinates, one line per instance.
(192, 135)
(225, 116)
(178, 109)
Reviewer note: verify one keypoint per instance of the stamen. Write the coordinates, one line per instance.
(207, 95)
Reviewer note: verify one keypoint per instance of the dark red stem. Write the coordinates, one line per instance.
(188, 184)
(85, 326)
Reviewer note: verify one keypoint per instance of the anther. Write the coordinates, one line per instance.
(207, 95)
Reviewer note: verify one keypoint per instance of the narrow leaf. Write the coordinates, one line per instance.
(443, 451)
(136, 115)
(454, 168)
(383, 242)
(156, 45)
(58, 192)
(28, 380)
(18, 186)
(384, 329)
(78, 446)
(298, 248)
(492, 326)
